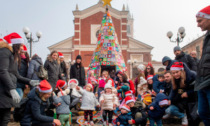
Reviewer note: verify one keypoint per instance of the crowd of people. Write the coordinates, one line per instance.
(181, 90)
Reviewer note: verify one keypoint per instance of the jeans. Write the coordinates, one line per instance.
(5, 116)
(152, 122)
(204, 105)
(20, 92)
(174, 111)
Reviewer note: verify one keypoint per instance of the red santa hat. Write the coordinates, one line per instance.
(45, 87)
(204, 13)
(129, 99)
(128, 93)
(149, 77)
(149, 64)
(177, 66)
(24, 48)
(73, 81)
(126, 107)
(14, 38)
(1, 40)
(61, 84)
(164, 102)
(90, 85)
(60, 54)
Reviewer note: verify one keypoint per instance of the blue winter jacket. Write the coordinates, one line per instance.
(170, 62)
(157, 85)
(123, 119)
(158, 112)
(35, 110)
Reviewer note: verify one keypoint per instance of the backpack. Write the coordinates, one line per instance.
(42, 73)
(19, 111)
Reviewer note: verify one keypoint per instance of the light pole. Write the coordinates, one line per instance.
(130, 62)
(29, 37)
(180, 35)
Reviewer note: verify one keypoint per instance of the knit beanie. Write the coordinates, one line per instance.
(177, 48)
(78, 57)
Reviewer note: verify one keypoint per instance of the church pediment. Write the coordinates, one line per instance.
(138, 46)
(99, 8)
(65, 44)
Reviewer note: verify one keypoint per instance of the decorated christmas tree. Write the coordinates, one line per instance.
(108, 52)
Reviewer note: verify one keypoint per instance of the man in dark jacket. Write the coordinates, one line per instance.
(185, 58)
(168, 85)
(167, 61)
(203, 77)
(193, 54)
(77, 71)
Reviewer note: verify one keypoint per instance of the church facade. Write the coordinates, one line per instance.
(87, 23)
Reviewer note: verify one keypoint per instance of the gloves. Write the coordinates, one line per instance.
(15, 96)
(34, 83)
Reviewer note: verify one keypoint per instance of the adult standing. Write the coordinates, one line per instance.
(9, 75)
(77, 71)
(22, 69)
(182, 94)
(34, 66)
(38, 102)
(193, 54)
(203, 77)
(63, 67)
(52, 65)
(149, 70)
(185, 58)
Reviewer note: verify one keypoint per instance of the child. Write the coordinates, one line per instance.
(63, 109)
(125, 117)
(128, 93)
(137, 109)
(109, 102)
(89, 102)
(64, 99)
(142, 87)
(122, 89)
(94, 82)
(157, 109)
(74, 94)
(150, 82)
(159, 85)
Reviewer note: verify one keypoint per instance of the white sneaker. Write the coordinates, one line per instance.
(91, 123)
(184, 120)
(86, 123)
(104, 123)
(166, 116)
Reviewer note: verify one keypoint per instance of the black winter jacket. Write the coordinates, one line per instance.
(35, 110)
(203, 76)
(187, 59)
(8, 75)
(23, 69)
(54, 72)
(73, 74)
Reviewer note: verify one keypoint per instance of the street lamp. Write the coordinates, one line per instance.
(180, 35)
(130, 62)
(29, 37)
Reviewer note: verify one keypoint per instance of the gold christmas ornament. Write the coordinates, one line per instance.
(107, 2)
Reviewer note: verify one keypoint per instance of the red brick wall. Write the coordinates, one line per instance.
(86, 57)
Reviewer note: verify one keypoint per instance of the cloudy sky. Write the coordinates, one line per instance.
(152, 20)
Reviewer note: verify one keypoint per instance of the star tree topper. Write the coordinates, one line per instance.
(107, 2)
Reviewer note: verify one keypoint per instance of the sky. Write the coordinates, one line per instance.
(54, 18)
